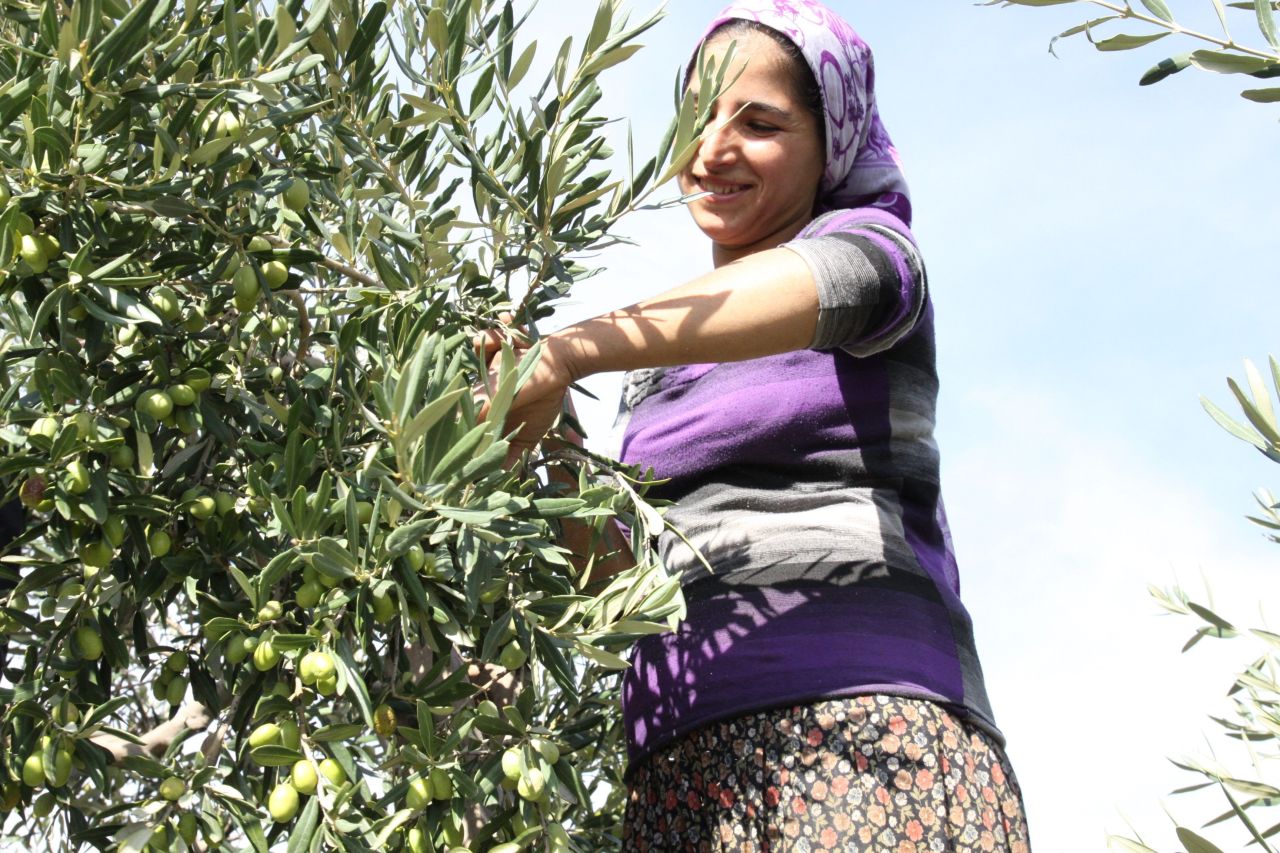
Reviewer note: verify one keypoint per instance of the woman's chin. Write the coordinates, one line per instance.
(718, 229)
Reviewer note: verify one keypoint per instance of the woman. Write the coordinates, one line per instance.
(824, 692)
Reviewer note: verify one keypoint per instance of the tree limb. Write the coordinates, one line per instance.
(194, 716)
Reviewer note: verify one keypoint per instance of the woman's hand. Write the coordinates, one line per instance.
(541, 400)
(762, 304)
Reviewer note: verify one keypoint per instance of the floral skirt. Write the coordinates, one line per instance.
(867, 773)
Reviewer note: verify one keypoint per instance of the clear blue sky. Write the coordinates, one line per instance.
(1100, 255)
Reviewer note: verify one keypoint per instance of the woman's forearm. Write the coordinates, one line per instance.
(761, 305)
(606, 552)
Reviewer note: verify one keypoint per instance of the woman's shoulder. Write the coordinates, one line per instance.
(845, 220)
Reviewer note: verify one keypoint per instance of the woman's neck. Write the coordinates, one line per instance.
(721, 254)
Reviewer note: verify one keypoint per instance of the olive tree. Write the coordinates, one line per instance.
(276, 581)
(1222, 52)
(1250, 793)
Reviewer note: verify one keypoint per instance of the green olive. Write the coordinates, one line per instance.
(245, 284)
(547, 749)
(274, 273)
(172, 788)
(96, 554)
(532, 785)
(176, 690)
(50, 245)
(122, 456)
(77, 477)
(415, 557)
(263, 735)
(89, 642)
(225, 502)
(289, 735)
(181, 394)
(155, 403)
(331, 770)
(33, 770)
(187, 828)
(202, 507)
(159, 542)
(513, 763)
(113, 530)
(43, 805)
(304, 776)
(316, 665)
(197, 379)
(65, 712)
(32, 252)
(418, 797)
(235, 652)
(308, 595)
(85, 424)
(384, 607)
(441, 784)
(265, 656)
(513, 656)
(125, 335)
(417, 840)
(297, 195)
(283, 803)
(165, 301)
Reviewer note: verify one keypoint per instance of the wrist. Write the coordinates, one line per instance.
(567, 356)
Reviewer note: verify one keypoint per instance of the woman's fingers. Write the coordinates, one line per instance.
(539, 402)
(487, 344)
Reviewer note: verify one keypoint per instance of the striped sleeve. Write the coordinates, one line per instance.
(871, 283)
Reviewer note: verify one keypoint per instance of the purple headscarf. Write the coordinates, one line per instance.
(863, 169)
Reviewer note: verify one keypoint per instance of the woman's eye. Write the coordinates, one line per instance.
(761, 127)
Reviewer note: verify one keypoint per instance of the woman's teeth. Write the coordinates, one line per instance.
(721, 189)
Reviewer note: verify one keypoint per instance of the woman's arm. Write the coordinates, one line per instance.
(760, 305)
(607, 550)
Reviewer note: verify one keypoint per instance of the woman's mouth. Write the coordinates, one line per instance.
(720, 189)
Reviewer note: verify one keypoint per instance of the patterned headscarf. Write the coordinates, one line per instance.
(863, 169)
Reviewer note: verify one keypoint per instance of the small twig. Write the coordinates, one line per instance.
(1174, 27)
(331, 264)
(350, 272)
(304, 322)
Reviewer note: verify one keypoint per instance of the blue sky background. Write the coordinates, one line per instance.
(1100, 255)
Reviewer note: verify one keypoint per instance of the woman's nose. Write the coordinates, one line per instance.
(719, 144)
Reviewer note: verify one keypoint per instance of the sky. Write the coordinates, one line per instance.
(1100, 256)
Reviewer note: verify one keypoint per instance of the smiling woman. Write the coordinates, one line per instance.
(824, 691)
(761, 156)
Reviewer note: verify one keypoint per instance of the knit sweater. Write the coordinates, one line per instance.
(809, 483)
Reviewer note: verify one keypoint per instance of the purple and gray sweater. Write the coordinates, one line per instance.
(809, 482)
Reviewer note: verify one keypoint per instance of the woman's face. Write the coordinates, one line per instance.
(761, 155)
